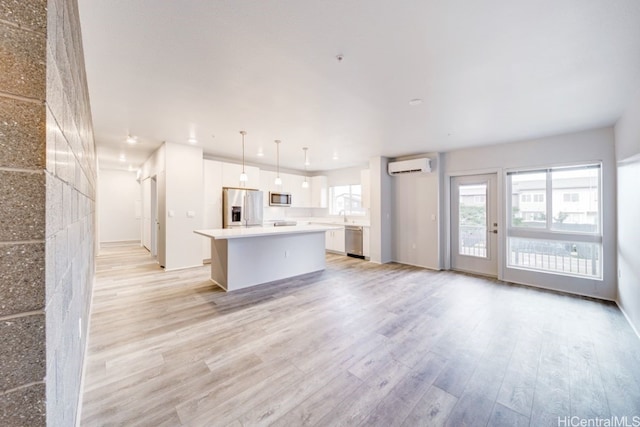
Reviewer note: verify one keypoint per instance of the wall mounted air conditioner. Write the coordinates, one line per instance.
(410, 166)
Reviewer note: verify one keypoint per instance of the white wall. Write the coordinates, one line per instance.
(212, 208)
(154, 167)
(119, 208)
(627, 137)
(589, 146)
(184, 195)
(416, 214)
(154, 164)
(179, 172)
(344, 176)
(381, 238)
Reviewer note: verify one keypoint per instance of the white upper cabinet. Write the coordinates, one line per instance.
(267, 179)
(304, 193)
(300, 197)
(231, 176)
(318, 186)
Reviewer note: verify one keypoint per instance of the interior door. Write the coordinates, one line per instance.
(474, 224)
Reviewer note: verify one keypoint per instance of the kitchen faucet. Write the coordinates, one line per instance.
(343, 212)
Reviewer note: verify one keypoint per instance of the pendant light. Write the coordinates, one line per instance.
(278, 181)
(243, 175)
(305, 184)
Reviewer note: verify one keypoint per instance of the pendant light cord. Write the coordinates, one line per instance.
(278, 158)
(243, 133)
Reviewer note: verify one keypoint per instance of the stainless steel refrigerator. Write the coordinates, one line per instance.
(241, 207)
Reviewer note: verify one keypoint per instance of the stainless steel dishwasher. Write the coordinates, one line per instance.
(353, 241)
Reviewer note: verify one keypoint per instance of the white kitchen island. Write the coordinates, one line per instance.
(243, 257)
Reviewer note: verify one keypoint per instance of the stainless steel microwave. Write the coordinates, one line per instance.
(279, 199)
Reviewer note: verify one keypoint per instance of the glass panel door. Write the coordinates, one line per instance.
(474, 225)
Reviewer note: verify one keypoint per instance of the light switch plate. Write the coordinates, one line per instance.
(171, 213)
(191, 214)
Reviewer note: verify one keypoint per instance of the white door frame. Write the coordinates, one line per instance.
(500, 201)
(154, 216)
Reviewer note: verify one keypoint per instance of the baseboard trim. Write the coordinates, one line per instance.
(626, 316)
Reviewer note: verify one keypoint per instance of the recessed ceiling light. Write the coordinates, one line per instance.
(122, 158)
(260, 152)
(132, 139)
(415, 101)
(335, 156)
(192, 141)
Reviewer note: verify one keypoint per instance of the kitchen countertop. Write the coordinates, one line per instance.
(238, 233)
(338, 221)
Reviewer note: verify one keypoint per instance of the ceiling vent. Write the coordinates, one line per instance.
(410, 166)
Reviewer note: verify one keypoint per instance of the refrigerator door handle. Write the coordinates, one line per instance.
(247, 208)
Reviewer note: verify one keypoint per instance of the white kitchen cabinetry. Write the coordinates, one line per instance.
(300, 197)
(365, 182)
(319, 187)
(288, 184)
(335, 241)
(231, 176)
(267, 179)
(305, 193)
(366, 239)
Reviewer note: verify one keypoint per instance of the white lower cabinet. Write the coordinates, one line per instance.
(334, 241)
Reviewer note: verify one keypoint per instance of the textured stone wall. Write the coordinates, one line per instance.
(23, 27)
(47, 212)
(70, 211)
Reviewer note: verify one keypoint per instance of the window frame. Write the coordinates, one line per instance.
(547, 233)
(349, 212)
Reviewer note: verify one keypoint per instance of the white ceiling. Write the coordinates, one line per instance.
(489, 71)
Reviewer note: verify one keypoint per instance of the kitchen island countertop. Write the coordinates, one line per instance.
(236, 233)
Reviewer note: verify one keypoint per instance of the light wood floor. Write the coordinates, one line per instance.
(358, 344)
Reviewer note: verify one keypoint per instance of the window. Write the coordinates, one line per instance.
(561, 232)
(346, 200)
(571, 197)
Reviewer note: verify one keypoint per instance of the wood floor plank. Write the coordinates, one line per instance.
(356, 344)
(552, 395)
(505, 417)
(320, 403)
(519, 382)
(433, 409)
